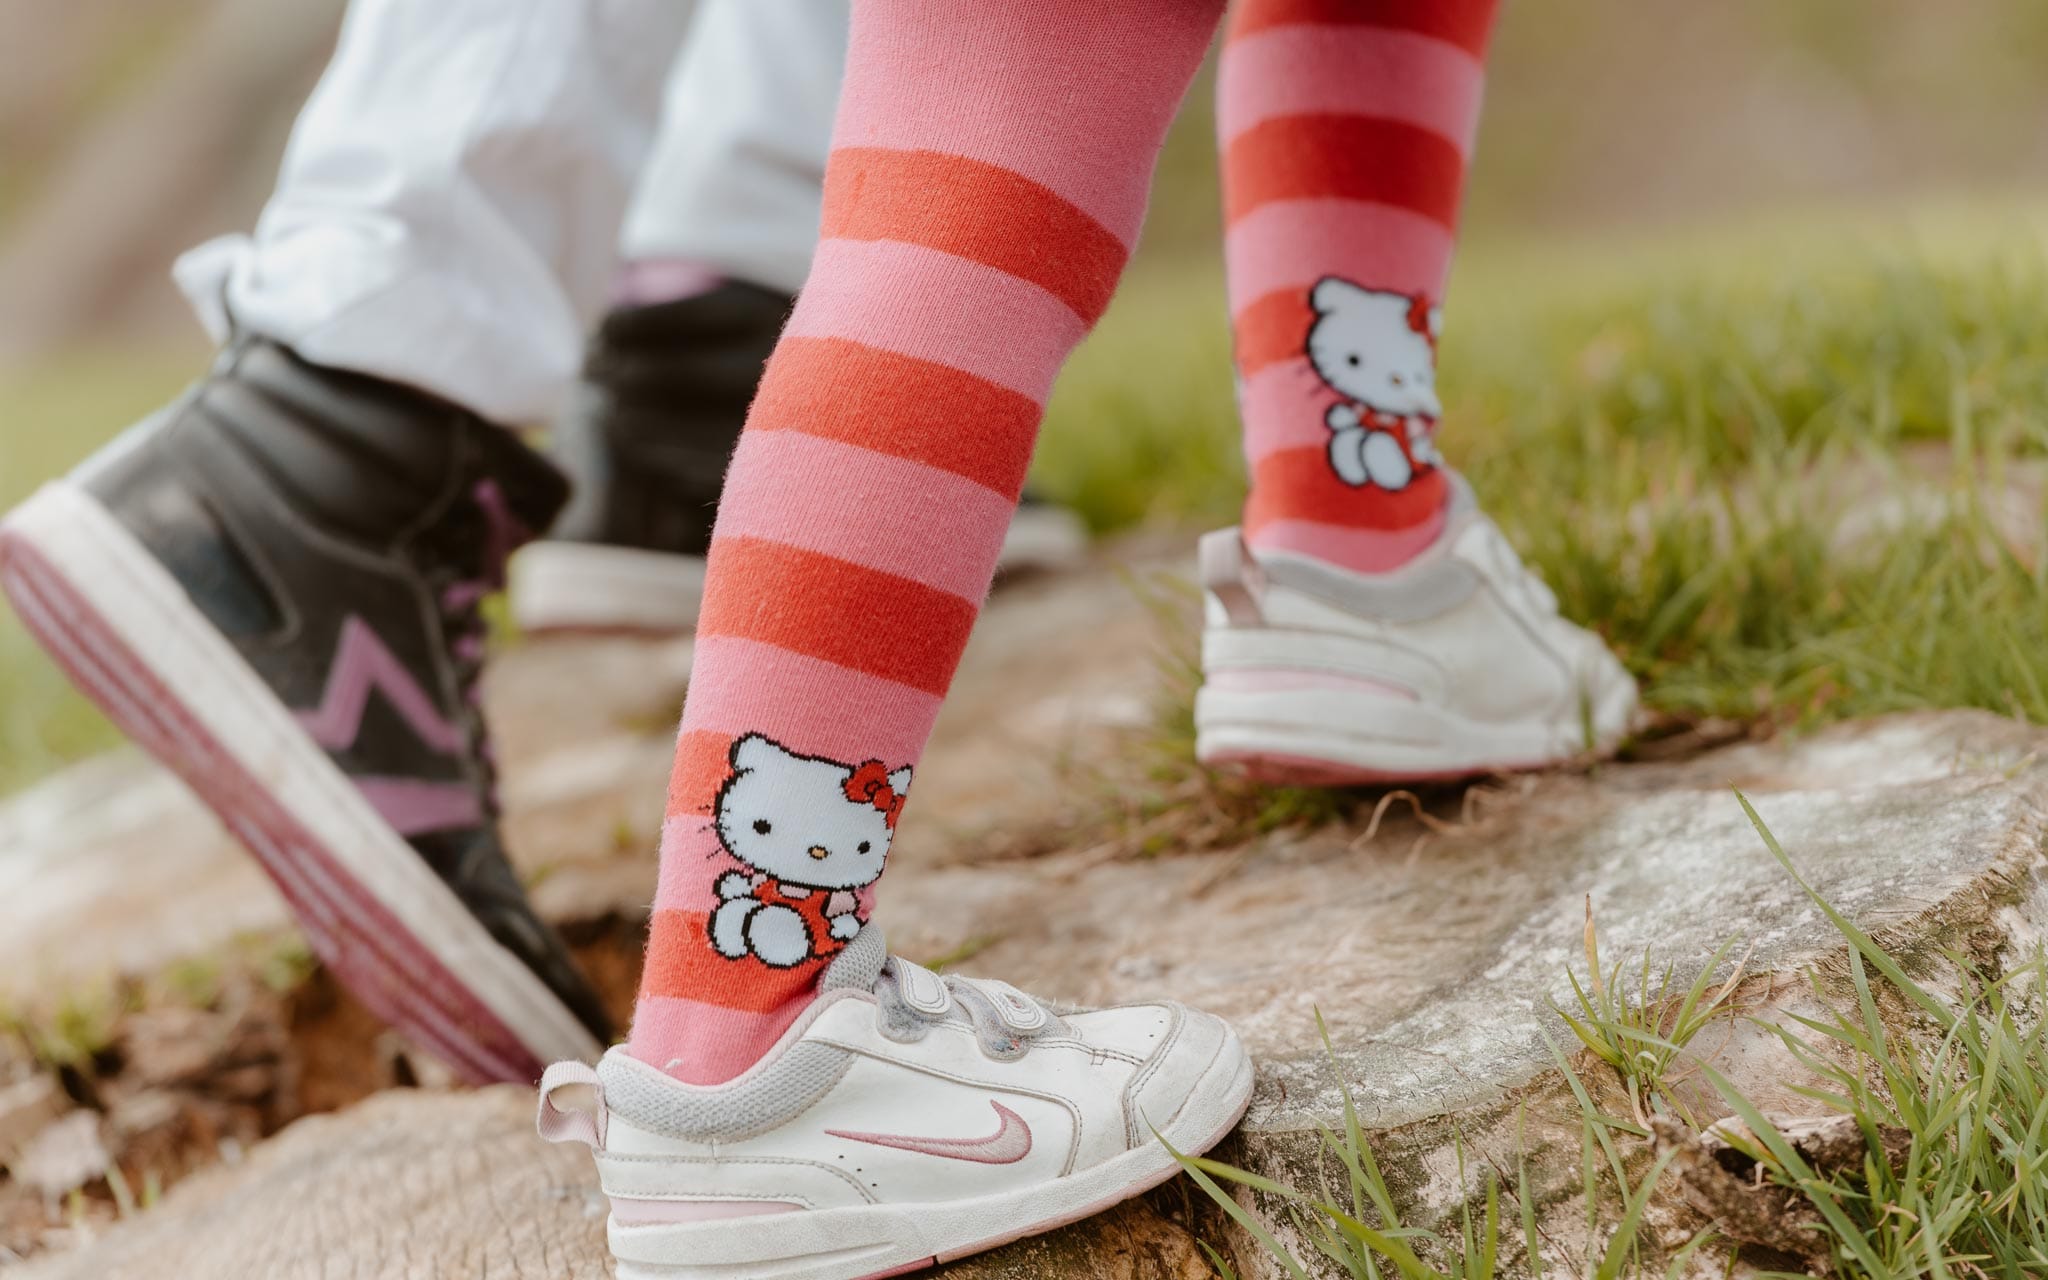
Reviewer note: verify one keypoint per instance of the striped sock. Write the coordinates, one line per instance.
(1345, 127)
(988, 176)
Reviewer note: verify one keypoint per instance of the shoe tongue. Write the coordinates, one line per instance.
(859, 964)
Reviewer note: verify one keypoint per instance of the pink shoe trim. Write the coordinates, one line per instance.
(413, 806)
(362, 664)
(909, 1268)
(1281, 769)
(1010, 1142)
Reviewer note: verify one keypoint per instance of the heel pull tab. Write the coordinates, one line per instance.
(1226, 573)
(579, 1117)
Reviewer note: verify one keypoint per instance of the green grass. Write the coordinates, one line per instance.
(49, 420)
(1641, 1038)
(1362, 1233)
(1964, 1074)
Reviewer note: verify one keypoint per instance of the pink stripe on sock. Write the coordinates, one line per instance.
(1287, 400)
(959, 108)
(883, 512)
(1350, 70)
(701, 1043)
(808, 705)
(933, 306)
(1366, 550)
(1291, 244)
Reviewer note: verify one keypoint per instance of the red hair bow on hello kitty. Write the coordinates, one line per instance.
(1420, 320)
(870, 784)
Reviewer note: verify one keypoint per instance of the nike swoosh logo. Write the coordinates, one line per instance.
(1010, 1142)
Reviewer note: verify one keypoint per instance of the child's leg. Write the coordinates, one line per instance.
(1368, 624)
(1346, 126)
(989, 175)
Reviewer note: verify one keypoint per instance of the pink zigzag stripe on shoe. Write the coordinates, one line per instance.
(414, 807)
(362, 663)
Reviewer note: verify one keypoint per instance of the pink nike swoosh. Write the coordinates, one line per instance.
(1010, 1143)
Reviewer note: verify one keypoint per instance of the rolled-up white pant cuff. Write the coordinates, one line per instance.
(371, 307)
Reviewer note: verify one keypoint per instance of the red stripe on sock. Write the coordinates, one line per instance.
(703, 759)
(978, 211)
(835, 611)
(682, 962)
(1465, 23)
(1299, 484)
(901, 406)
(1272, 329)
(1348, 157)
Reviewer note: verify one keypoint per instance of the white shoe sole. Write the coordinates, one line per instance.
(1342, 735)
(586, 586)
(394, 934)
(874, 1241)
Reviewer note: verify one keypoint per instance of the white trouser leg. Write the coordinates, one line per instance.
(737, 171)
(448, 210)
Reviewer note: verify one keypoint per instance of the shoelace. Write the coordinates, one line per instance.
(911, 999)
(462, 617)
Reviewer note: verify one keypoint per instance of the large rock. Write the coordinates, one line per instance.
(1435, 956)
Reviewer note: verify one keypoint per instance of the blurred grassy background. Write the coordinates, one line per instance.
(1744, 344)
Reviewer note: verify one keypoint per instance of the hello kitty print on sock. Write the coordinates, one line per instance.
(811, 832)
(1345, 128)
(1377, 349)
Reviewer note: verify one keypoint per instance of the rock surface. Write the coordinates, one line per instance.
(420, 1186)
(1434, 945)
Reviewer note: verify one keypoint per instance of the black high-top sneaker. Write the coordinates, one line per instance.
(665, 391)
(273, 586)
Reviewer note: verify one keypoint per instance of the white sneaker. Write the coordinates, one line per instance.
(1456, 663)
(906, 1120)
